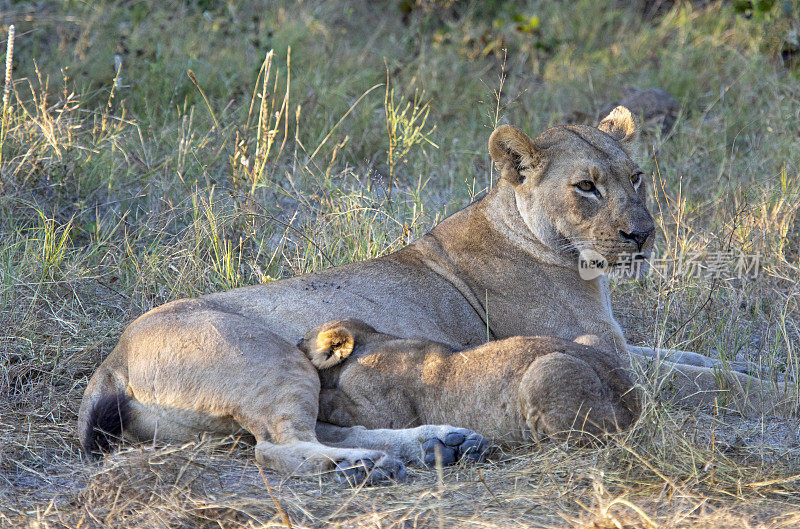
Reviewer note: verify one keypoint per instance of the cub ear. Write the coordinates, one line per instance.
(331, 347)
(623, 126)
(513, 153)
(592, 340)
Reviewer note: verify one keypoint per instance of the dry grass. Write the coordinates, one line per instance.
(127, 183)
(706, 475)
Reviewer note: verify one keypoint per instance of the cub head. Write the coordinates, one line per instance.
(577, 189)
(330, 343)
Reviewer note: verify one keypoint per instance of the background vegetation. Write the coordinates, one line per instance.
(155, 150)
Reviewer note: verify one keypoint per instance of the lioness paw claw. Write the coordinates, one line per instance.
(369, 472)
(434, 448)
(458, 444)
(474, 448)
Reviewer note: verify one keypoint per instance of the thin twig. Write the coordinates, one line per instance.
(284, 516)
(289, 226)
(194, 80)
(389, 133)
(327, 137)
(498, 94)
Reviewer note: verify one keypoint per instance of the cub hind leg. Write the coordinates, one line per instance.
(563, 396)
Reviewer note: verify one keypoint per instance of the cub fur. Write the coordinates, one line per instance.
(509, 390)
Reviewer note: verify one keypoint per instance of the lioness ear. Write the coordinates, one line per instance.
(623, 126)
(513, 153)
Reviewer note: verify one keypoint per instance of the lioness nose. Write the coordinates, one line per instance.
(639, 237)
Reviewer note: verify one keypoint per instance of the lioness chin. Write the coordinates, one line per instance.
(506, 265)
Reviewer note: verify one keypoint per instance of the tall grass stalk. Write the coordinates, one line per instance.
(404, 130)
(193, 78)
(53, 242)
(8, 80)
(270, 120)
(273, 121)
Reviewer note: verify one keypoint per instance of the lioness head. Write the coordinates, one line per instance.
(577, 188)
(330, 343)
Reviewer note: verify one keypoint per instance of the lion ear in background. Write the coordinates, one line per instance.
(513, 153)
(623, 126)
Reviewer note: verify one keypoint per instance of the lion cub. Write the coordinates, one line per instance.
(514, 389)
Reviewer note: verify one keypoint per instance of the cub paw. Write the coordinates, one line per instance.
(455, 445)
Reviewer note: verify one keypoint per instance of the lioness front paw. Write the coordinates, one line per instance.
(367, 471)
(454, 445)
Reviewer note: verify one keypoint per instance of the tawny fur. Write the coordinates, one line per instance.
(516, 389)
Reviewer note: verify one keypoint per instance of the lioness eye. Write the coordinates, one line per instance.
(587, 186)
(636, 178)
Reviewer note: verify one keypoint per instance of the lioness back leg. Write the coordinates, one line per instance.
(562, 395)
(284, 428)
(190, 367)
(276, 399)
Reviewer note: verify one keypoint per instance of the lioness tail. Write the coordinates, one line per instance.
(107, 420)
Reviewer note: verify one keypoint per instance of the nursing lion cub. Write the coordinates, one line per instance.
(516, 389)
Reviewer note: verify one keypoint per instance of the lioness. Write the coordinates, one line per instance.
(506, 265)
(509, 390)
